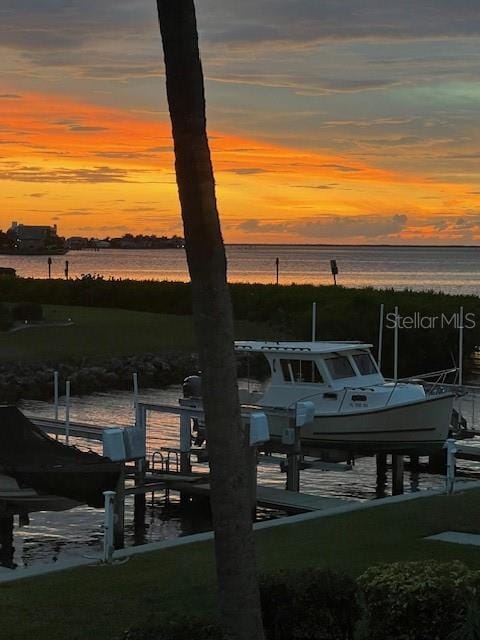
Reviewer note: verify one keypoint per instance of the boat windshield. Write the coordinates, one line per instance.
(365, 364)
(339, 367)
(300, 371)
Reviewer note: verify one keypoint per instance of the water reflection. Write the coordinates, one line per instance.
(57, 536)
(7, 550)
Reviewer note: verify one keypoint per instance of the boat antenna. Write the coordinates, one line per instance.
(460, 347)
(380, 337)
(395, 345)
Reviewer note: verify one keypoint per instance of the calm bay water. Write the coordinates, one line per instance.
(50, 537)
(448, 269)
(53, 536)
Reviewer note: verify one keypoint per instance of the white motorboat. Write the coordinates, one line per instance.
(356, 409)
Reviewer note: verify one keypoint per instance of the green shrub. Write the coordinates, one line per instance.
(469, 629)
(31, 311)
(417, 600)
(309, 605)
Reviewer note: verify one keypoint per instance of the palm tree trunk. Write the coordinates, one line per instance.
(227, 439)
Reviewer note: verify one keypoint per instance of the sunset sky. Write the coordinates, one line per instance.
(349, 121)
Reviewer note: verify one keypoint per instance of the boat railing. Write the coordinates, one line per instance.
(467, 396)
(435, 382)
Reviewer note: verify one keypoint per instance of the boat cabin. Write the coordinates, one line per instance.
(307, 369)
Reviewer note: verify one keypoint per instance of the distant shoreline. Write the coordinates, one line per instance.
(350, 246)
(255, 244)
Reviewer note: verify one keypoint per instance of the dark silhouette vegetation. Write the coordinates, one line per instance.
(342, 314)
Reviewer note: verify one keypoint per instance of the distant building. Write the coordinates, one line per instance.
(78, 242)
(102, 244)
(35, 239)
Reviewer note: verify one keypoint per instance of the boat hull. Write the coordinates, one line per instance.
(419, 427)
(83, 483)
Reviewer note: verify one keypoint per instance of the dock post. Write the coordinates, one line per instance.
(185, 445)
(119, 508)
(450, 477)
(414, 472)
(139, 501)
(67, 412)
(293, 472)
(381, 461)
(293, 462)
(55, 394)
(108, 526)
(414, 460)
(397, 474)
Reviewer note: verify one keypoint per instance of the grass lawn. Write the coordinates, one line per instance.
(101, 602)
(105, 332)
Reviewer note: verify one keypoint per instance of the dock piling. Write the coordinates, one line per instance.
(185, 447)
(293, 460)
(119, 512)
(381, 461)
(108, 526)
(397, 474)
(139, 499)
(67, 412)
(451, 448)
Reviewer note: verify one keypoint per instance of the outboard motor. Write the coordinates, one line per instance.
(192, 387)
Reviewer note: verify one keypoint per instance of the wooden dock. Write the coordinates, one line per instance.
(295, 501)
(271, 497)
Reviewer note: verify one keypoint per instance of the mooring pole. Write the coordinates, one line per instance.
(334, 270)
(67, 412)
(135, 394)
(380, 337)
(314, 321)
(395, 345)
(119, 507)
(460, 347)
(55, 393)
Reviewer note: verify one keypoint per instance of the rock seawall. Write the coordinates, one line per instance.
(30, 381)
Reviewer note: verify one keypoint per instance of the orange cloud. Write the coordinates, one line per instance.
(98, 168)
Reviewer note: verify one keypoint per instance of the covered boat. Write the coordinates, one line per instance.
(356, 409)
(50, 467)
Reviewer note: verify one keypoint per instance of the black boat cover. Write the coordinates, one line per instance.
(49, 466)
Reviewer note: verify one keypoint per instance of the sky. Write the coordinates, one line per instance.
(330, 121)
